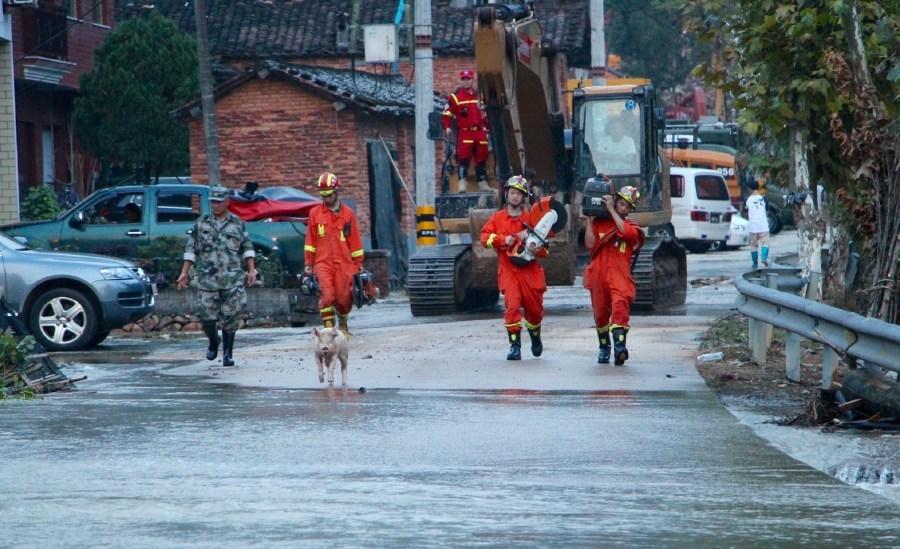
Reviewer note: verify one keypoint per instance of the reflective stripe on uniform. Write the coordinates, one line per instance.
(490, 240)
(531, 326)
(310, 249)
(357, 253)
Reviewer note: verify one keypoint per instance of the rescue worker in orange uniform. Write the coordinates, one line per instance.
(523, 287)
(464, 107)
(613, 242)
(334, 252)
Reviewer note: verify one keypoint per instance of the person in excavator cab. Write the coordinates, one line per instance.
(333, 252)
(522, 285)
(464, 108)
(613, 241)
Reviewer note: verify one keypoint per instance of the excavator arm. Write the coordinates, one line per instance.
(517, 83)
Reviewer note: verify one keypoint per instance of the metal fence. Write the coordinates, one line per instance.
(763, 296)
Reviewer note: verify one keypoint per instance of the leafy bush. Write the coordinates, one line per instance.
(40, 204)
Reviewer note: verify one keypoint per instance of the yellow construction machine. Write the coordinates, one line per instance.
(616, 132)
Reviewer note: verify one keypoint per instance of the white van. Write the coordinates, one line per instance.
(701, 207)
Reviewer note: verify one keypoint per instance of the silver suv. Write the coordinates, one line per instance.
(72, 301)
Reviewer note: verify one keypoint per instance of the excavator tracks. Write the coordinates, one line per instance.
(660, 275)
(435, 282)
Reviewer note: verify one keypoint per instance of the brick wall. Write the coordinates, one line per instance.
(276, 133)
(9, 193)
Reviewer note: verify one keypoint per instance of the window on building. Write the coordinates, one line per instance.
(97, 11)
(48, 156)
(72, 8)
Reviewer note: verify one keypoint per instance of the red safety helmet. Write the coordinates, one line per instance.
(629, 194)
(467, 74)
(328, 183)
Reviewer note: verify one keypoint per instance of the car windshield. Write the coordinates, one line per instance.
(8, 242)
(612, 135)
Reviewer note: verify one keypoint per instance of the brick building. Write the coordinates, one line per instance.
(280, 127)
(53, 46)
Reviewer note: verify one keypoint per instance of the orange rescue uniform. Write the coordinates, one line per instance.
(522, 287)
(471, 126)
(608, 277)
(334, 250)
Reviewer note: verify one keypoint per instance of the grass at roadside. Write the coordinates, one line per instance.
(736, 375)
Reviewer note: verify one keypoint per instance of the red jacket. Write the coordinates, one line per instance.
(611, 255)
(333, 237)
(464, 107)
(493, 235)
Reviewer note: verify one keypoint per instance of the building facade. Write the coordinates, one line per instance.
(53, 46)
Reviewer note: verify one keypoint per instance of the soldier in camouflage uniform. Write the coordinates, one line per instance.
(215, 248)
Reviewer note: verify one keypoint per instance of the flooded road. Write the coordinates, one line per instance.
(141, 458)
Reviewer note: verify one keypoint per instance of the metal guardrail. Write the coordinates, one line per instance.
(763, 296)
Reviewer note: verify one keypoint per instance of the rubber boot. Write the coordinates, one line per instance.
(209, 328)
(515, 346)
(343, 323)
(537, 347)
(481, 174)
(603, 338)
(227, 348)
(619, 349)
(461, 183)
(764, 256)
(754, 256)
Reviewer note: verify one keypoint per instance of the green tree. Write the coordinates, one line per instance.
(649, 37)
(820, 78)
(145, 69)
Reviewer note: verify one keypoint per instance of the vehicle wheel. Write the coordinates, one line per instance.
(774, 222)
(63, 320)
(666, 232)
(718, 246)
(99, 338)
(697, 247)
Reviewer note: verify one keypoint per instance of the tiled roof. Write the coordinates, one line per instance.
(280, 29)
(375, 93)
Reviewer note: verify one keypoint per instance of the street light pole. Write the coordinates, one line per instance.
(426, 227)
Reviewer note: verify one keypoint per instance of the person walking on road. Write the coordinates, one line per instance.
(464, 108)
(613, 241)
(758, 226)
(333, 252)
(216, 248)
(522, 286)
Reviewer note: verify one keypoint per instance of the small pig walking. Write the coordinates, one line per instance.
(331, 345)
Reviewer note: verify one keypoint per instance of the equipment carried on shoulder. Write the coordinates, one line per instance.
(594, 190)
(545, 218)
(364, 289)
(308, 284)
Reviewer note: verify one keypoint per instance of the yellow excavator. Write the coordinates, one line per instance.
(616, 133)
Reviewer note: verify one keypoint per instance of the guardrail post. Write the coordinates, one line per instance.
(792, 356)
(761, 332)
(829, 365)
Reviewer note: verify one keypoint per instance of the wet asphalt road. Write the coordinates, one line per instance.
(140, 458)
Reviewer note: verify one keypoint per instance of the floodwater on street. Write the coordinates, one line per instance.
(142, 458)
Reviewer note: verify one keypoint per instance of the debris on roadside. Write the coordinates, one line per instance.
(24, 368)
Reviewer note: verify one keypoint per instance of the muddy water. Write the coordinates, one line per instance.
(137, 458)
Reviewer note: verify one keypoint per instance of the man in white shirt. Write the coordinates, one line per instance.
(758, 226)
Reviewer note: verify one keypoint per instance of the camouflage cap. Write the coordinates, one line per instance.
(218, 193)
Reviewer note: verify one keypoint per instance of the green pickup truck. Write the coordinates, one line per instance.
(118, 220)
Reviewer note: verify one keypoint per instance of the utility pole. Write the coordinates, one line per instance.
(598, 44)
(426, 227)
(207, 100)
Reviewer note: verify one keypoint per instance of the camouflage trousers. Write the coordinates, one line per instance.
(225, 307)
